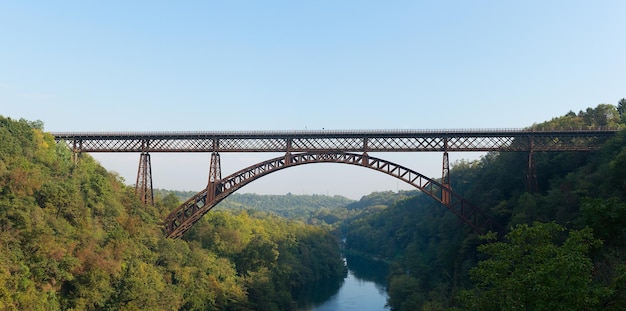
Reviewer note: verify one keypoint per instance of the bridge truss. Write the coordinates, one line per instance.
(346, 141)
(304, 147)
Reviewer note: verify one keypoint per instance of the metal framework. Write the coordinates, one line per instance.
(445, 178)
(531, 174)
(182, 218)
(143, 186)
(346, 141)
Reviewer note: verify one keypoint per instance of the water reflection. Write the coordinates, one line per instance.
(317, 293)
(363, 289)
(369, 270)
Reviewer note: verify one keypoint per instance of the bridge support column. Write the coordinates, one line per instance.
(287, 158)
(445, 179)
(288, 152)
(215, 176)
(143, 186)
(75, 151)
(531, 174)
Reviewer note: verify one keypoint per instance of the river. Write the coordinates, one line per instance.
(363, 289)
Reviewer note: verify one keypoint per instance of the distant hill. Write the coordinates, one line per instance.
(314, 209)
(180, 194)
(385, 198)
(282, 204)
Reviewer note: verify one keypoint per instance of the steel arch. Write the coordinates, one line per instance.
(183, 217)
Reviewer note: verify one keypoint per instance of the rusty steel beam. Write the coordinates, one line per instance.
(345, 141)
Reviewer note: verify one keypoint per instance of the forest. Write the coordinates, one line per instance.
(74, 237)
(564, 247)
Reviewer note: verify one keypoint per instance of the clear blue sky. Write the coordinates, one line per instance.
(294, 65)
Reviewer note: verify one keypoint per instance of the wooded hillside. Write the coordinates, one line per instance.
(565, 247)
(74, 237)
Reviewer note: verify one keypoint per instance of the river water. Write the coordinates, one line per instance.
(363, 289)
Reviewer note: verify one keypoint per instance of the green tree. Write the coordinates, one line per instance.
(607, 217)
(533, 271)
(621, 107)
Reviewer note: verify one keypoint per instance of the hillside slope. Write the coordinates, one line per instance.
(578, 212)
(74, 237)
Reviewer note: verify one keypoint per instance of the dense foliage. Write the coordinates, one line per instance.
(533, 272)
(564, 250)
(73, 237)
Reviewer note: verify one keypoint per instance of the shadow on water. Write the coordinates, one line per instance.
(364, 284)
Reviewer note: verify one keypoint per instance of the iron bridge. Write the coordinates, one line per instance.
(329, 146)
(348, 141)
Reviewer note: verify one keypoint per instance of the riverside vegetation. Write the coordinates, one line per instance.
(74, 236)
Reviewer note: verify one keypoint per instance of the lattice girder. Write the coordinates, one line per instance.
(182, 218)
(347, 141)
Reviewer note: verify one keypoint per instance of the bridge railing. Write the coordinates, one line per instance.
(201, 134)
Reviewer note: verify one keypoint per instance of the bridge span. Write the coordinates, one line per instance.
(345, 146)
(348, 141)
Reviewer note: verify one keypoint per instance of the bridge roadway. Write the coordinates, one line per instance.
(339, 140)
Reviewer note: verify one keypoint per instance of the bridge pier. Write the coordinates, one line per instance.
(143, 186)
(75, 157)
(215, 176)
(287, 158)
(76, 147)
(531, 174)
(445, 179)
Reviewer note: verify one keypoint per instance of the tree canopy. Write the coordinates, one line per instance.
(533, 270)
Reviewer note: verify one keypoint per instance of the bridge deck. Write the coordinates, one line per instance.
(333, 140)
